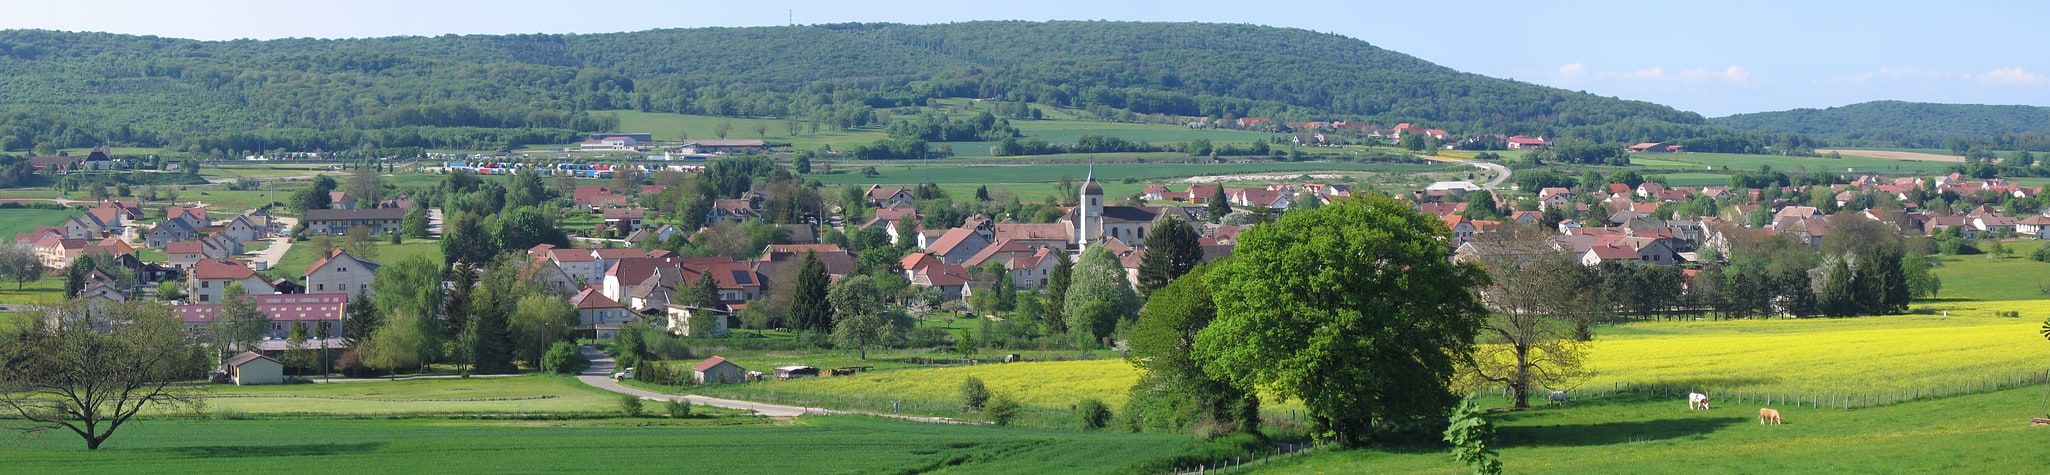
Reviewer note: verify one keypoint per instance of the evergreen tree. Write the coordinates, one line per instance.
(907, 233)
(1481, 205)
(982, 193)
(74, 277)
(809, 310)
(486, 339)
(362, 318)
(1837, 297)
(1172, 250)
(1219, 205)
(1057, 294)
(466, 239)
(704, 293)
(415, 223)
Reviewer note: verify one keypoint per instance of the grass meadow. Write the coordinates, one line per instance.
(302, 254)
(534, 394)
(35, 292)
(832, 445)
(17, 221)
(1639, 433)
(1974, 277)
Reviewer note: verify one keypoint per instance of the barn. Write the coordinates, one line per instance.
(716, 370)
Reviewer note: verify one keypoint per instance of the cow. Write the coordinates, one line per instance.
(1697, 399)
(1560, 398)
(1013, 358)
(1769, 415)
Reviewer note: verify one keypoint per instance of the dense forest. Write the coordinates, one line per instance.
(63, 89)
(1957, 127)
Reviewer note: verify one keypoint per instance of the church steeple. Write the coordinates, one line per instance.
(1089, 215)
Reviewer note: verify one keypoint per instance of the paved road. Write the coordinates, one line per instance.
(600, 376)
(1501, 172)
(270, 256)
(434, 221)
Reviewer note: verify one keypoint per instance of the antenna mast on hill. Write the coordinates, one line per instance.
(790, 16)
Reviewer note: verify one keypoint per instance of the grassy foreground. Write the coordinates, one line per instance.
(1982, 433)
(535, 394)
(841, 444)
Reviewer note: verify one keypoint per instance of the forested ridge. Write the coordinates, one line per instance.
(1910, 125)
(489, 91)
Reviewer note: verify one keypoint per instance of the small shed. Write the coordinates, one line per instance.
(717, 370)
(253, 368)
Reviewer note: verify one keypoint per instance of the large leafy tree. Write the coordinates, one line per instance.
(19, 263)
(90, 368)
(523, 227)
(1173, 393)
(539, 321)
(1099, 280)
(809, 310)
(465, 239)
(1171, 251)
(1355, 308)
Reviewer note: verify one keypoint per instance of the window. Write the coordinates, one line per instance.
(344, 287)
(319, 286)
(204, 284)
(203, 297)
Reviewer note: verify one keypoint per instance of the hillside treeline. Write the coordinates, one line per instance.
(1955, 127)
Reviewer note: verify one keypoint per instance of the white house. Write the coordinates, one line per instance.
(340, 272)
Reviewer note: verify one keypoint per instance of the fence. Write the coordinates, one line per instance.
(1814, 399)
(1281, 452)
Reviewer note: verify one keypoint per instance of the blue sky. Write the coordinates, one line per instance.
(1716, 58)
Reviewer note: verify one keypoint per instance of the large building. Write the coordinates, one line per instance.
(336, 222)
(1095, 222)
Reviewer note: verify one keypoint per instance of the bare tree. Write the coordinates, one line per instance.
(20, 264)
(1541, 303)
(90, 367)
(366, 186)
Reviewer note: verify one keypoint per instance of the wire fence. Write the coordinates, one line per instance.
(1843, 400)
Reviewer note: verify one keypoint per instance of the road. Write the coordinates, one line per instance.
(270, 256)
(1501, 172)
(600, 376)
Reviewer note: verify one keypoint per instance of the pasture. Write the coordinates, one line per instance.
(670, 127)
(302, 254)
(1974, 277)
(1637, 433)
(35, 292)
(533, 394)
(654, 445)
(17, 221)
(911, 173)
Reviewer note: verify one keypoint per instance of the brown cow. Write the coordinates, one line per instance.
(1769, 415)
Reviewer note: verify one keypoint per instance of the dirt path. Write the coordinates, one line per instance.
(1893, 155)
(599, 375)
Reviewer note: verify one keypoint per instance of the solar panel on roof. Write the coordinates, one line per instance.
(741, 277)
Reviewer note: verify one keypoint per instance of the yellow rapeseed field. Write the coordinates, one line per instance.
(1829, 356)
(1055, 384)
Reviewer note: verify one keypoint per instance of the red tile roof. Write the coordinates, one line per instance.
(590, 298)
(183, 247)
(709, 363)
(221, 269)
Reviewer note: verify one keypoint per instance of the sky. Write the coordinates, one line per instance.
(1713, 57)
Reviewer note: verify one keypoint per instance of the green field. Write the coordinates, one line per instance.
(1982, 433)
(506, 395)
(302, 254)
(17, 221)
(34, 292)
(911, 173)
(1790, 165)
(1974, 277)
(666, 127)
(830, 445)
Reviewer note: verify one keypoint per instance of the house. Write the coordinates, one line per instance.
(1648, 147)
(184, 255)
(680, 317)
(578, 264)
(2033, 226)
(625, 220)
(924, 270)
(957, 245)
(1995, 224)
(194, 218)
(594, 310)
(716, 370)
(251, 368)
(723, 147)
(1552, 197)
(241, 229)
(219, 246)
(597, 197)
(881, 197)
(737, 210)
(341, 272)
(170, 231)
(1598, 254)
(551, 278)
(336, 222)
(210, 276)
(1521, 142)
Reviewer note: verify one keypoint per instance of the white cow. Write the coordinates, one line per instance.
(1560, 398)
(1697, 399)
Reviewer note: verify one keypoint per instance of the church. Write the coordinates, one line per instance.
(1095, 223)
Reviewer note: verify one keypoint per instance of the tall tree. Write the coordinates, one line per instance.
(363, 316)
(416, 222)
(1172, 250)
(809, 310)
(524, 227)
(860, 321)
(540, 320)
(1057, 281)
(366, 186)
(241, 325)
(1838, 298)
(1532, 337)
(75, 275)
(105, 364)
(704, 293)
(1355, 308)
(907, 233)
(1219, 204)
(1098, 279)
(465, 239)
(1173, 393)
(394, 346)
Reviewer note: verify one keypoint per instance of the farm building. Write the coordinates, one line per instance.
(717, 370)
(794, 372)
(251, 368)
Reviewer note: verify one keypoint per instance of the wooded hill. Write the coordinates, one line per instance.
(490, 91)
(1910, 125)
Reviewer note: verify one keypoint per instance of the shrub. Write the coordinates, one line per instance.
(1092, 414)
(677, 408)
(973, 394)
(630, 405)
(564, 358)
(2042, 254)
(1001, 410)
